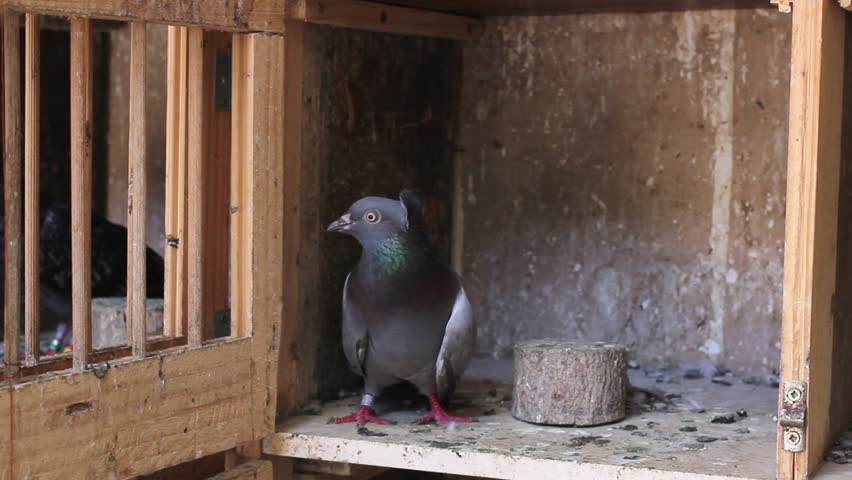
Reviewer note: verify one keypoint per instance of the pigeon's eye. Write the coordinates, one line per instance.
(373, 216)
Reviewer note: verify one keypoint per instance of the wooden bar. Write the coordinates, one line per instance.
(137, 193)
(195, 187)
(175, 253)
(240, 187)
(810, 253)
(267, 15)
(12, 191)
(391, 18)
(32, 80)
(81, 189)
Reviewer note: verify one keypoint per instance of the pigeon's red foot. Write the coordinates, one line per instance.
(362, 416)
(438, 413)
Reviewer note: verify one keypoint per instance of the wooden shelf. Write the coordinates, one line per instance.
(485, 8)
(501, 447)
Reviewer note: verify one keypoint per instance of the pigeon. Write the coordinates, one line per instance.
(406, 317)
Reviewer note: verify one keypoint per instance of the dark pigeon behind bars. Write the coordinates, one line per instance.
(406, 316)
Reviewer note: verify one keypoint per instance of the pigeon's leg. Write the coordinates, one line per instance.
(364, 414)
(438, 413)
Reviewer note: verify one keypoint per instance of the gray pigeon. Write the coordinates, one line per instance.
(406, 316)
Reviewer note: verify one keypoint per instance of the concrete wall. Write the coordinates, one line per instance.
(622, 177)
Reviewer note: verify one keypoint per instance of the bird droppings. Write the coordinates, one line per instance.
(489, 412)
(705, 439)
(688, 428)
(628, 427)
(742, 413)
(729, 418)
(742, 430)
(631, 457)
(366, 432)
(722, 381)
(439, 444)
(694, 446)
(586, 439)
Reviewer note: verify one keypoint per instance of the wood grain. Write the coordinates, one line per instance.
(137, 193)
(81, 189)
(195, 186)
(487, 8)
(390, 18)
(32, 80)
(267, 15)
(175, 262)
(810, 253)
(12, 191)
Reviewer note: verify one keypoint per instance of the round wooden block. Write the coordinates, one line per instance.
(570, 383)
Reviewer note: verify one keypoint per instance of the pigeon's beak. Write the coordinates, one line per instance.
(342, 224)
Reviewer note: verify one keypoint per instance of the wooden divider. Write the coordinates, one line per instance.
(195, 187)
(32, 81)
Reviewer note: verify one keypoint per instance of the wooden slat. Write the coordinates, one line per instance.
(81, 188)
(12, 190)
(31, 182)
(175, 291)
(135, 417)
(241, 149)
(253, 470)
(137, 193)
(816, 88)
(390, 18)
(195, 186)
(562, 7)
(265, 15)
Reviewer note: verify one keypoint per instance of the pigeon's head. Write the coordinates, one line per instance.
(373, 219)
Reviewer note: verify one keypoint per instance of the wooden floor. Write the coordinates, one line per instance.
(647, 445)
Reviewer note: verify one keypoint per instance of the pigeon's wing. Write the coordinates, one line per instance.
(457, 346)
(356, 339)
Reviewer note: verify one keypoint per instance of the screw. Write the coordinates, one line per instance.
(793, 437)
(794, 394)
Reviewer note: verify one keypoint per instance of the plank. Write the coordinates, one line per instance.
(216, 178)
(32, 80)
(253, 470)
(137, 185)
(389, 18)
(12, 191)
(266, 15)
(141, 416)
(811, 220)
(81, 189)
(196, 151)
(175, 253)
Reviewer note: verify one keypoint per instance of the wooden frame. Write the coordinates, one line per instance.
(164, 404)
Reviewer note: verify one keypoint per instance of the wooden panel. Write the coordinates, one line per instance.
(388, 18)
(32, 79)
(139, 417)
(81, 188)
(196, 147)
(241, 151)
(556, 7)
(12, 190)
(136, 193)
(266, 15)
(254, 470)
(811, 222)
(175, 288)
(216, 177)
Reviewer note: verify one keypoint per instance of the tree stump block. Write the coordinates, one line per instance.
(570, 383)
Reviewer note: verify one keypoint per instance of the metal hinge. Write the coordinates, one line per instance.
(792, 416)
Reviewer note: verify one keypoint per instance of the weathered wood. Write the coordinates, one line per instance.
(570, 383)
(266, 15)
(196, 149)
(335, 470)
(81, 189)
(562, 7)
(810, 252)
(389, 18)
(12, 191)
(175, 261)
(253, 470)
(135, 417)
(137, 194)
(32, 80)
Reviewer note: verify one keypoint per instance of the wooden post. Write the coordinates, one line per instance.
(813, 167)
(137, 193)
(175, 252)
(12, 190)
(195, 185)
(32, 80)
(81, 189)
